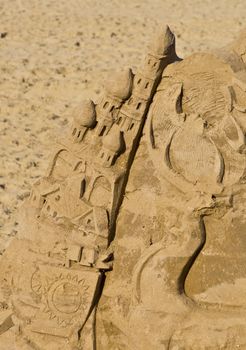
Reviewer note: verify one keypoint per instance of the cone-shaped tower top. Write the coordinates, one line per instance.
(163, 41)
(113, 141)
(85, 114)
(119, 85)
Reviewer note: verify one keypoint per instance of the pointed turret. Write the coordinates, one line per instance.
(84, 118)
(113, 141)
(163, 42)
(85, 114)
(119, 85)
(117, 89)
(111, 146)
(162, 52)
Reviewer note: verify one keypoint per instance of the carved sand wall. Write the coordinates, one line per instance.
(134, 238)
(179, 272)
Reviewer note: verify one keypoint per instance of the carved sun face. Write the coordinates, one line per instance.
(67, 295)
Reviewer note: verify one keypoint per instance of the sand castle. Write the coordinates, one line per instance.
(134, 238)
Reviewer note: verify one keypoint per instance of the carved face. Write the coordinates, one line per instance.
(197, 142)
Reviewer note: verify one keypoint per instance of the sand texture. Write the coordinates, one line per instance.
(54, 53)
(122, 196)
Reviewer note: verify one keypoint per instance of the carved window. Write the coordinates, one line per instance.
(131, 127)
(102, 155)
(139, 81)
(103, 131)
(109, 157)
(155, 64)
(78, 134)
(111, 109)
(82, 188)
(146, 85)
(138, 105)
(105, 104)
(74, 131)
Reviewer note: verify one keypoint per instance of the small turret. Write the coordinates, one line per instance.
(117, 90)
(161, 53)
(111, 146)
(84, 118)
(120, 85)
(85, 114)
(112, 141)
(163, 43)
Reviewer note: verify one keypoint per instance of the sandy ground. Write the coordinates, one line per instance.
(55, 53)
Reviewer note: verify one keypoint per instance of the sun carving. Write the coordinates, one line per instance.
(67, 299)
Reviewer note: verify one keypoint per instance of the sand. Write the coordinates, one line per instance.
(55, 53)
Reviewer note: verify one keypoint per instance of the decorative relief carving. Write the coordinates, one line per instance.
(136, 249)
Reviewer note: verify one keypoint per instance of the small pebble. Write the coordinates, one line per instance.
(3, 35)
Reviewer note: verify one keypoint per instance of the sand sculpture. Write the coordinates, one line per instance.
(135, 237)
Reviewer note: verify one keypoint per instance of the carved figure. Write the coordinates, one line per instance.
(134, 239)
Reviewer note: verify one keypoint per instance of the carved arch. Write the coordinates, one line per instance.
(100, 192)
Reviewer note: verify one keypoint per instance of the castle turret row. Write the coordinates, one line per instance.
(125, 101)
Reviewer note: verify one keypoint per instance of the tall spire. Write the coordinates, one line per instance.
(163, 42)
